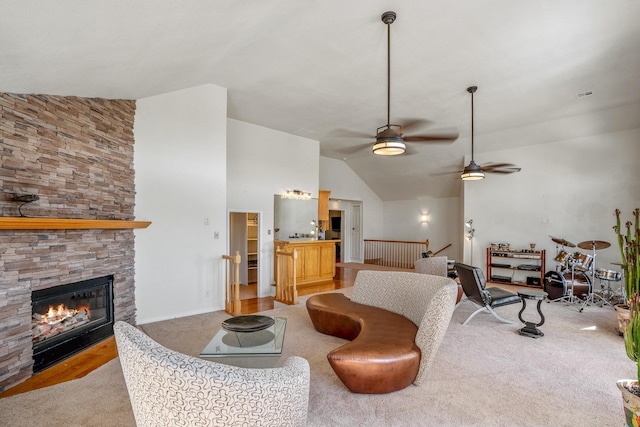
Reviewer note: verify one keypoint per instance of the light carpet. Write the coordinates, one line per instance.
(485, 374)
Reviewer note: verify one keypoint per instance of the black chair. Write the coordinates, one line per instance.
(474, 286)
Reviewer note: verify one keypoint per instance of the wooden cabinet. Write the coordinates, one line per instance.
(315, 262)
(323, 208)
(524, 267)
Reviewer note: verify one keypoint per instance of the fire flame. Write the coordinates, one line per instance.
(62, 312)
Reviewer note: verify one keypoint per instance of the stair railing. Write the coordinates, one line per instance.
(232, 303)
(286, 285)
(394, 253)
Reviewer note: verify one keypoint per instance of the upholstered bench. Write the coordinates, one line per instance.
(395, 321)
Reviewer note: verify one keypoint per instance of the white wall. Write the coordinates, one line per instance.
(344, 184)
(261, 163)
(567, 189)
(402, 222)
(180, 164)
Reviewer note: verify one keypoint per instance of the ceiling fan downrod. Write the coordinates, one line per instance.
(388, 18)
(388, 141)
(472, 90)
(472, 172)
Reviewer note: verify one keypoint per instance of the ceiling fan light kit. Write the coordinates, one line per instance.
(472, 172)
(389, 143)
(389, 138)
(389, 148)
(475, 172)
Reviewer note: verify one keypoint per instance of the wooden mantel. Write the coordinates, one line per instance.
(25, 223)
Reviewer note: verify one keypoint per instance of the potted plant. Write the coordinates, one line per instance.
(629, 244)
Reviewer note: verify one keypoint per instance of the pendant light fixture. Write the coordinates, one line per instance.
(472, 172)
(388, 141)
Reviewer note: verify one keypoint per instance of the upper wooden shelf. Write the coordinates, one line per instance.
(24, 223)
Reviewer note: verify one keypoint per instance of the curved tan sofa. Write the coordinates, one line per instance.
(395, 321)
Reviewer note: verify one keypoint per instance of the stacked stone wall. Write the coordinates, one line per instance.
(76, 155)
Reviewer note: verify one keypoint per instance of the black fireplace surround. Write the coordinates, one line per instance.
(70, 318)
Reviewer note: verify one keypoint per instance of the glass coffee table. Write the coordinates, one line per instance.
(259, 349)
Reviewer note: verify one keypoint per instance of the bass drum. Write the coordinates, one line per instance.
(557, 284)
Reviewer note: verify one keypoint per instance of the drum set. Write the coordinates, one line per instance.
(576, 274)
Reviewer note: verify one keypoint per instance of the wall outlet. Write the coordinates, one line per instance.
(206, 221)
(216, 234)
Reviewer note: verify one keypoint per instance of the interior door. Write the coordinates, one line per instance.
(356, 233)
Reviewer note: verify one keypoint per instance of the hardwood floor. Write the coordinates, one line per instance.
(79, 365)
(74, 367)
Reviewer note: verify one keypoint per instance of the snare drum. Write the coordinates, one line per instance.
(603, 274)
(562, 257)
(583, 261)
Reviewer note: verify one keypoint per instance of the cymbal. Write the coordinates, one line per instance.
(594, 244)
(563, 242)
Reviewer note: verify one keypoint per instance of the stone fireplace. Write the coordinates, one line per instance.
(76, 155)
(68, 318)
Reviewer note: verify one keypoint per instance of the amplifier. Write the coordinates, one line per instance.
(505, 279)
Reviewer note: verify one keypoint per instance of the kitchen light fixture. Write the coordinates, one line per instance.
(296, 194)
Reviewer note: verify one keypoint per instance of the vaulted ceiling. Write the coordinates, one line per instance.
(318, 69)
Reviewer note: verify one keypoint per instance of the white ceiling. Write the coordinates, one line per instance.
(318, 69)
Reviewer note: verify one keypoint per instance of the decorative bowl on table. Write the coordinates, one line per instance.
(248, 323)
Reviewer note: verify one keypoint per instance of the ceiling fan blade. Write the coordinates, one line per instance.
(409, 125)
(502, 171)
(498, 165)
(447, 173)
(431, 138)
(355, 149)
(345, 133)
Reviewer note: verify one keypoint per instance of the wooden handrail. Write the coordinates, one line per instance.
(426, 242)
(286, 282)
(232, 303)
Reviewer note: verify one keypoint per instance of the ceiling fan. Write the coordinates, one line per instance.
(390, 138)
(473, 171)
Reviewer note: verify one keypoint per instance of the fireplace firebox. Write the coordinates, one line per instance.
(69, 318)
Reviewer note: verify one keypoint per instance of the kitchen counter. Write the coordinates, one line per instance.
(316, 262)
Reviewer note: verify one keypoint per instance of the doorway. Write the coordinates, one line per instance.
(356, 233)
(244, 237)
(334, 231)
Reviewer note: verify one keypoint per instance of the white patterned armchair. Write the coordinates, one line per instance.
(436, 265)
(167, 388)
